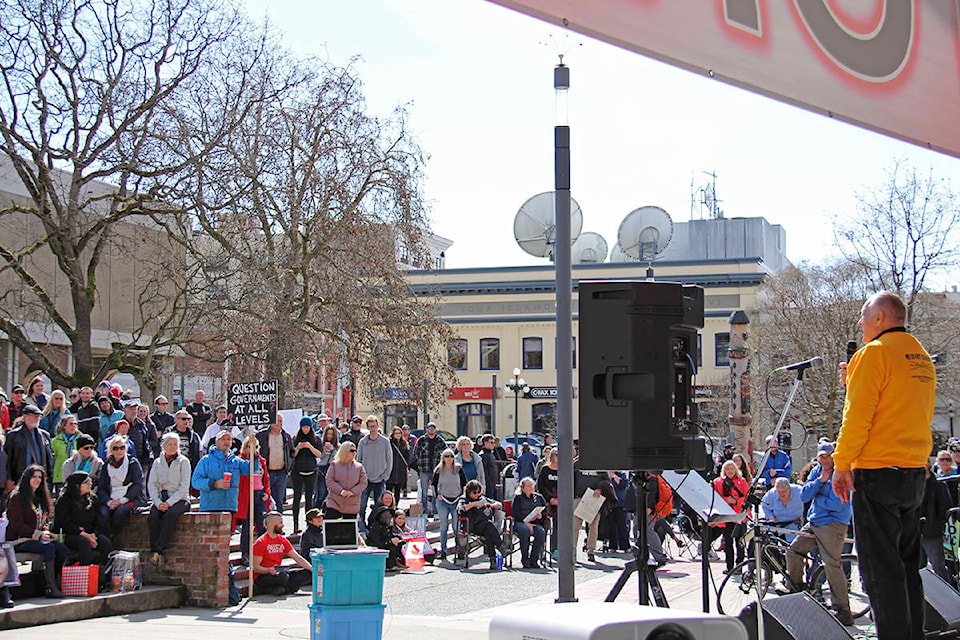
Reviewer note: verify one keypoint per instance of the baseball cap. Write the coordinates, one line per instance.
(223, 432)
(16, 387)
(827, 448)
(132, 402)
(356, 419)
(312, 513)
(431, 425)
(323, 416)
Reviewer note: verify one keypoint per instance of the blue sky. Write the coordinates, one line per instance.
(477, 81)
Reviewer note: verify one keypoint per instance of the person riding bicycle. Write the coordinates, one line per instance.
(782, 507)
(827, 519)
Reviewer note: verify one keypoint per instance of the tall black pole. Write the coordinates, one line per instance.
(565, 534)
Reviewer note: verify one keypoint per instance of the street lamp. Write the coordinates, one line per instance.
(516, 384)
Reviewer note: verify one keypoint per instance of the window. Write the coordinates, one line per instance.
(533, 353)
(457, 354)
(544, 417)
(490, 354)
(473, 419)
(721, 343)
(399, 414)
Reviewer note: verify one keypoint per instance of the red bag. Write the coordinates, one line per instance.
(80, 580)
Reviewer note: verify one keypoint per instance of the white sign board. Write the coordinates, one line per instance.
(892, 66)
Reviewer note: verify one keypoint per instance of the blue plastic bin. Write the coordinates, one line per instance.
(346, 622)
(353, 577)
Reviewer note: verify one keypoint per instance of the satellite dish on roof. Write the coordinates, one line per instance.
(645, 233)
(590, 247)
(617, 255)
(535, 227)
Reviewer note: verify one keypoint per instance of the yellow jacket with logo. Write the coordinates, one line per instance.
(891, 387)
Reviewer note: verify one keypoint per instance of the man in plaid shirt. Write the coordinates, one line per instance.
(426, 456)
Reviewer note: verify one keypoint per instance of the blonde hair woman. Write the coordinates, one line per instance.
(346, 480)
(730, 486)
(469, 461)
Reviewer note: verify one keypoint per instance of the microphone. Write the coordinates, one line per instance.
(812, 363)
(851, 349)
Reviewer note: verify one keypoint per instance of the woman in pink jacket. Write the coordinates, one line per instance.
(346, 480)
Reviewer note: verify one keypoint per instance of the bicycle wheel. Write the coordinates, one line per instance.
(739, 587)
(820, 587)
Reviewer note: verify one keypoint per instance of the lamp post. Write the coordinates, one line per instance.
(516, 384)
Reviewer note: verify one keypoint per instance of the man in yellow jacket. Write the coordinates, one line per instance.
(884, 444)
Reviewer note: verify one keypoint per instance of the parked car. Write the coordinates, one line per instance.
(533, 439)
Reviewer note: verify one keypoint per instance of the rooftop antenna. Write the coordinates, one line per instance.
(535, 225)
(644, 234)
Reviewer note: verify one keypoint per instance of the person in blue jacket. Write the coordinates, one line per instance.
(778, 464)
(827, 519)
(218, 493)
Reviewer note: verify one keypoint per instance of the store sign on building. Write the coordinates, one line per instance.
(470, 393)
(541, 392)
(393, 393)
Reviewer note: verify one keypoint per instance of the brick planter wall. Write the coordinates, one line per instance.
(197, 558)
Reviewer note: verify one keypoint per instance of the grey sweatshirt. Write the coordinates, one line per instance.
(376, 456)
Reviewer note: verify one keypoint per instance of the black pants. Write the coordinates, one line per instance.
(162, 524)
(303, 485)
(732, 550)
(329, 513)
(487, 531)
(886, 520)
(619, 537)
(396, 489)
(85, 552)
(290, 579)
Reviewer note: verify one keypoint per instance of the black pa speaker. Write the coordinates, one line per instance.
(638, 349)
(794, 617)
(942, 610)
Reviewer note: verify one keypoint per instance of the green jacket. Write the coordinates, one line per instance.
(60, 455)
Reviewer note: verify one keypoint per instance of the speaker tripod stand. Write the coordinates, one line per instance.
(646, 573)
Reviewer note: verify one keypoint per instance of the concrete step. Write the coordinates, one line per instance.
(37, 611)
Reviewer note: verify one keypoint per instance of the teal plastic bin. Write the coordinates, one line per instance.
(347, 622)
(353, 577)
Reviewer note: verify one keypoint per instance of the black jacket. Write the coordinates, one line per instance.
(401, 460)
(491, 471)
(88, 419)
(263, 437)
(311, 538)
(18, 440)
(933, 510)
(69, 517)
(201, 415)
(379, 527)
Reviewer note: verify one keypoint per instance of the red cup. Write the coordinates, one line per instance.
(227, 476)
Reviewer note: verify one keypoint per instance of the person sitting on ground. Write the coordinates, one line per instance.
(480, 513)
(120, 487)
(217, 476)
(449, 481)
(405, 533)
(63, 445)
(312, 536)
(76, 518)
(169, 489)
(783, 507)
(525, 504)
(84, 458)
(268, 553)
(380, 534)
(28, 522)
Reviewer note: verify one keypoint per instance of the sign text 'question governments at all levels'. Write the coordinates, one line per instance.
(253, 403)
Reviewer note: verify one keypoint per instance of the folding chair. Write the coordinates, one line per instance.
(467, 541)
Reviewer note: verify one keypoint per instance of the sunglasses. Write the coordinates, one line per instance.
(18, 393)
(448, 456)
(87, 447)
(185, 419)
(117, 448)
(944, 459)
(73, 396)
(163, 404)
(353, 450)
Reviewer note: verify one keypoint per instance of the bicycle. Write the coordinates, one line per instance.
(740, 586)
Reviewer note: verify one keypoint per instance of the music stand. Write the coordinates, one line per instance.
(700, 496)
